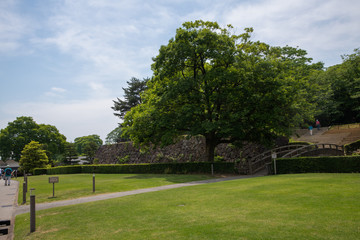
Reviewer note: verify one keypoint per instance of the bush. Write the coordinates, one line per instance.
(156, 168)
(64, 170)
(339, 164)
(352, 147)
(40, 171)
(299, 143)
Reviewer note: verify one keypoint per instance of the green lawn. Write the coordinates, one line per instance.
(80, 185)
(302, 206)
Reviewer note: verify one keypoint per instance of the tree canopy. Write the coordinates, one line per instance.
(22, 131)
(131, 95)
(70, 153)
(33, 156)
(82, 142)
(225, 87)
(340, 101)
(115, 136)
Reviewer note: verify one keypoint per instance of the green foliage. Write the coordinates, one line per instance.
(115, 136)
(160, 168)
(33, 156)
(340, 164)
(82, 142)
(22, 131)
(69, 153)
(59, 170)
(40, 171)
(298, 143)
(339, 101)
(352, 147)
(218, 159)
(132, 96)
(123, 159)
(224, 87)
(90, 150)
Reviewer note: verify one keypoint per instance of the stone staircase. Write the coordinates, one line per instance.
(334, 135)
(324, 141)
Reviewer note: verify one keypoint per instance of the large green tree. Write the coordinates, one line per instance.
(33, 156)
(22, 131)
(224, 87)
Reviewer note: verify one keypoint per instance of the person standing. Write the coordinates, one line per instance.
(1, 173)
(310, 129)
(317, 124)
(7, 175)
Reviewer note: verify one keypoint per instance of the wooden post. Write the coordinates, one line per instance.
(93, 182)
(32, 211)
(24, 193)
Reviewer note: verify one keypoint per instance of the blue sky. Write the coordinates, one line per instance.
(62, 62)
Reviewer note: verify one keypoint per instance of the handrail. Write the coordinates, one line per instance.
(268, 153)
(258, 162)
(260, 159)
(299, 151)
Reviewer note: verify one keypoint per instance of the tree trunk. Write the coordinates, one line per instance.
(210, 148)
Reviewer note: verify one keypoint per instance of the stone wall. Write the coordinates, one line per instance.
(191, 150)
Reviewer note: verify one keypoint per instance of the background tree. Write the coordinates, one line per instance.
(70, 153)
(90, 149)
(22, 131)
(341, 103)
(33, 156)
(115, 136)
(132, 96)
(224, 87)
(81, 142)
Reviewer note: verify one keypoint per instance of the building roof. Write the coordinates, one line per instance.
(11, 163)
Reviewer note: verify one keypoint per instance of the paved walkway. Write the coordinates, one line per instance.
(8, 203)
(9, 208)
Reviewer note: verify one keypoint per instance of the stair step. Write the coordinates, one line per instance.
(5, 222)
(4, 231)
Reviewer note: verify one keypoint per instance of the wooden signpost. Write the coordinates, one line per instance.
(53, 180)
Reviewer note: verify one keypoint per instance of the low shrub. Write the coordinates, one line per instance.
(338, 164)
(64, 170)
(352, 147)
(298, 143)
(40, 171)
(156, 168)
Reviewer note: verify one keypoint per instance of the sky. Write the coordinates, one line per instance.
(63, 62)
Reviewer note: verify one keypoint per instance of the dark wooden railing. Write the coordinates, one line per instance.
(259, 162)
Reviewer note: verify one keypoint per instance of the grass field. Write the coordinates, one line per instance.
(80, 185)
(302, 206)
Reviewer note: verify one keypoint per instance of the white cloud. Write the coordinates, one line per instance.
(316, 26)
(108, 46)
(12, 27)
(55, 92)
(73, 119)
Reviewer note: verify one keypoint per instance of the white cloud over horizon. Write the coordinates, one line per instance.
(73, 119)
(63, 62)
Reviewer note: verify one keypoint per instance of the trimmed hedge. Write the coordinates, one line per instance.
(158, 168)
(338, 164)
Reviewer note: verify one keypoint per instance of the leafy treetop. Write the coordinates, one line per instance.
(22, 131)
(210, 82)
